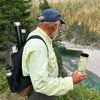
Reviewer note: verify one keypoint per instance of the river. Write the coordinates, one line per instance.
(93, 60)
(93, 66)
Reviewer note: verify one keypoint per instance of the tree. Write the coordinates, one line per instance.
(10, 12)
(44, 5)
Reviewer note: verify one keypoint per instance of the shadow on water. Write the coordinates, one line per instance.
(71, 59)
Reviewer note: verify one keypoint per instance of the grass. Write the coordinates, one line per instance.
(82, 18)
(81, 10)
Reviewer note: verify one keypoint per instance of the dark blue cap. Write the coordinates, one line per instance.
(50, 15)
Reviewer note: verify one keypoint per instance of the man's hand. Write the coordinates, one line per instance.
(77, 78)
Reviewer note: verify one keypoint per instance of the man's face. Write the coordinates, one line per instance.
(55, 33)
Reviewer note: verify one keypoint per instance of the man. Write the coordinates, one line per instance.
(41, 64)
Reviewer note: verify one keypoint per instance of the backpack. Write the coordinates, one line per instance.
(17, 82)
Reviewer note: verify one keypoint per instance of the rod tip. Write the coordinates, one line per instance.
(17, 24)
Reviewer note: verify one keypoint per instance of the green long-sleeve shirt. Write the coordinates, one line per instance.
(43, 69)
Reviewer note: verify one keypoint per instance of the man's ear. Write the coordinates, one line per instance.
(55, 26)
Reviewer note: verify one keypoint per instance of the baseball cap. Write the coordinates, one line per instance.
(50, 15)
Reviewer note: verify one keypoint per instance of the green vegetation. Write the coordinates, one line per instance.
(3, 80)
(83, 27)
(80, 14)
(2, 59)
(81, 93)
(78, 93)
(44, 5)
(5, 90)
(82, 34)
(10, 12)
(82, 18)
(81, 10)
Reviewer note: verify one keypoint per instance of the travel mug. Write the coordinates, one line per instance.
(83, 63)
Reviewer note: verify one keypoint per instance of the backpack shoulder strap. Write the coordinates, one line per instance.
(38, 37)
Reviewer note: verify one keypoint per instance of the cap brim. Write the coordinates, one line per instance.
(62, 22)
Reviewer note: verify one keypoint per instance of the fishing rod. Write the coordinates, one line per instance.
(17, 26)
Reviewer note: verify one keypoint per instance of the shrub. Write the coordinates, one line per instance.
(81, 93)
(3, 80)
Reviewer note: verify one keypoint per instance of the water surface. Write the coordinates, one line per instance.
(71, 59)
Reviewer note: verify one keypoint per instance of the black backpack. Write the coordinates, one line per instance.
(17, 82)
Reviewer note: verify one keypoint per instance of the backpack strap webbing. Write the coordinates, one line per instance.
(38, 37)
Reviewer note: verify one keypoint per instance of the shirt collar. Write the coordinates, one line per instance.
(44, 34)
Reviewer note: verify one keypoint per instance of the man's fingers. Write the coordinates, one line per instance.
(84, 76)
(77, 78)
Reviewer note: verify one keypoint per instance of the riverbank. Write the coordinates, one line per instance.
(94, 56)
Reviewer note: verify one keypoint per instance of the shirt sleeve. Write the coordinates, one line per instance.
(42, 82)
